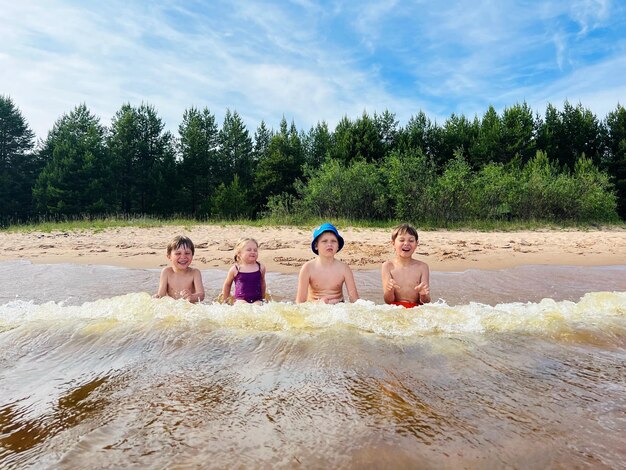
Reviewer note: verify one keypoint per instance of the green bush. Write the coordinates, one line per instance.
(355, 191)
(409, 175)
(450, 192)
(230, 202)
(491, 190)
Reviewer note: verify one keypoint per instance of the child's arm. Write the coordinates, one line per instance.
(263, 286)
(228, 284)
(389, 285)
(198, 287)
(423, 288)
(162, 292)
(303, 284)
(353, 294)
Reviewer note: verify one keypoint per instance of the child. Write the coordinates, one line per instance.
(247, 273)
(405, 280)
(180, 280)
(322, 279)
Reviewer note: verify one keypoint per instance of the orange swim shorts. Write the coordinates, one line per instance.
(406, 304)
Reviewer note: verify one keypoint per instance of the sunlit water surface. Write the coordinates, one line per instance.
(520, 368)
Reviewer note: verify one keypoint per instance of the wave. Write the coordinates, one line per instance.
(601, 314)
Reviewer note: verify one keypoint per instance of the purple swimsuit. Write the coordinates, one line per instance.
(248, 285)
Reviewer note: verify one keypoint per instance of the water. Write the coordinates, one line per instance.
(520, 368)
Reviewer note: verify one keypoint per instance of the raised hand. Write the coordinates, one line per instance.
(391, 284)
(423, 289)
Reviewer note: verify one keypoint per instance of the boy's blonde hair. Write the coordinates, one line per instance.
(403, 228)
(240, 244)
(178, 241)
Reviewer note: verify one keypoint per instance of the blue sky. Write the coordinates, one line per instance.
(310, 61)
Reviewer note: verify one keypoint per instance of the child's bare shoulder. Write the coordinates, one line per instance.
(308, 265)
(418, 265)
(342, 264)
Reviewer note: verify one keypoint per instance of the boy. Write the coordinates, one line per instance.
(322, 279)
(180, 280)
(405, 280)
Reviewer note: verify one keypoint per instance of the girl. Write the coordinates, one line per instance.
(247, 272)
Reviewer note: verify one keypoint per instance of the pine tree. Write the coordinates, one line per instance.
(199, 165)
(18, 168)
(76, 179)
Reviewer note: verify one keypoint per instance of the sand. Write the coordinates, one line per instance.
(285, 249)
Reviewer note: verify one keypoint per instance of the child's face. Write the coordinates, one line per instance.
(327, 244)
(249, 253)
(405, 245)
(181, 258)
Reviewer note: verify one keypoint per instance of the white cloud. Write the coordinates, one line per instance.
(303, 60)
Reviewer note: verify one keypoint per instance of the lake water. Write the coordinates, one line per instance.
(517, 368)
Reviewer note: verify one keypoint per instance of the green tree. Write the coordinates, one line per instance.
(262, 138)
(615, 160)
(320, 143)
(236, 149)
(18, 165)
(366, 142)
(422, 134)
(77, 177)
(409, 175)
(199, 165)
(144, 160)
(388, 131)
(593, 197)
(487, 147)
(568, 134)
(282, 166)
(342, 144)
(450, 193)
(550, 135)
(231, 201)
(532, 198)
(491, 190)
(519, 133)
(123, 143)
(459, 134)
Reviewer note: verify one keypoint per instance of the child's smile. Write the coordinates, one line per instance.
(181, 259)
(405, 246)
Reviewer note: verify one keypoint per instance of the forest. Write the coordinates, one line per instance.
(565, 166)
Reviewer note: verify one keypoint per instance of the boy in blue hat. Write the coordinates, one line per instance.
(322, 279)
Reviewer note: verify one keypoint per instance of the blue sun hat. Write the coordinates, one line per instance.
(325, 227)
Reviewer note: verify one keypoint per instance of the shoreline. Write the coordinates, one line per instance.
(285, 249)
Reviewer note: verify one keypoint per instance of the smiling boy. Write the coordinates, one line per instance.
(322, 279)
(405, 279)
(180, 280)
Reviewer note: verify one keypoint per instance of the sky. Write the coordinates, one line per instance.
(310, 61)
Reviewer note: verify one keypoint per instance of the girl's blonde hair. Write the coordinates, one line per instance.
(240, 244)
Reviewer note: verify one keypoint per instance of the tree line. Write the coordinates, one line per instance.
(566, 165)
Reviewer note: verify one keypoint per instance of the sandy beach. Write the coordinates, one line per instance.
(284, 249)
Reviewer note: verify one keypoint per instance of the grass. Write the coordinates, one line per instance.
(112, 221)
